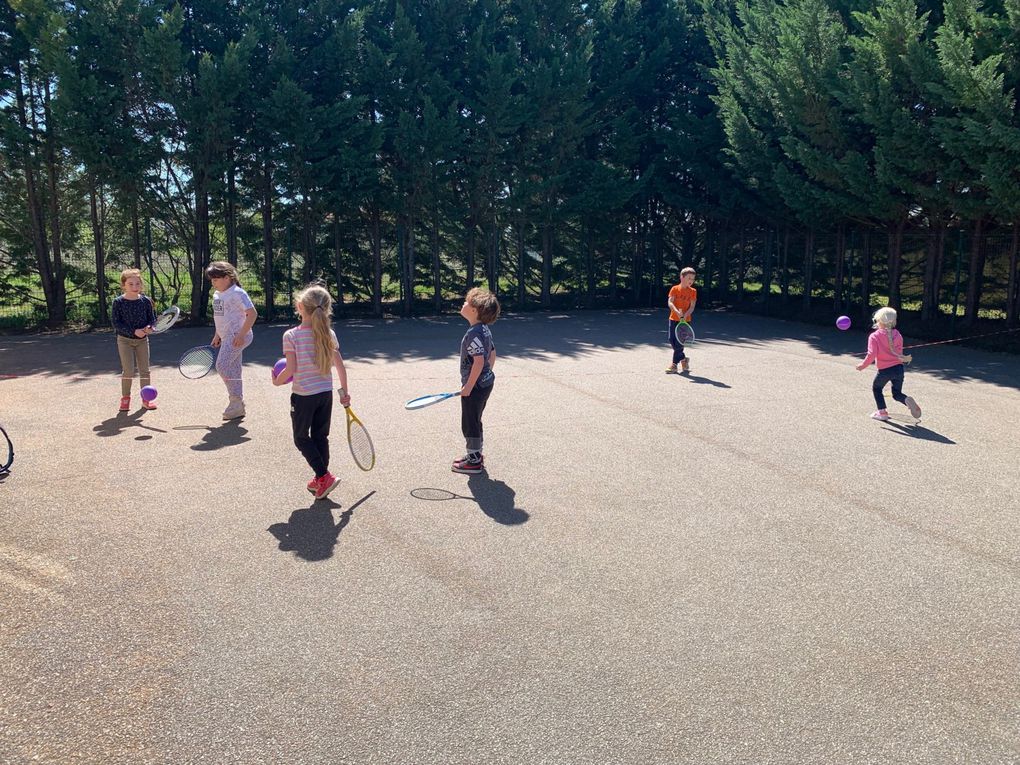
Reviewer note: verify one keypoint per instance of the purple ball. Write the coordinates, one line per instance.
(843, 322)
(278, 367)
(148, 393)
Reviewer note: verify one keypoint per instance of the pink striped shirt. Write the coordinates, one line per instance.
(879, 351)
(308, 380)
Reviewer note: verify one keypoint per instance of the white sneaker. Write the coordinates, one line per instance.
(234, 410)
(881, 416)
(915, 410)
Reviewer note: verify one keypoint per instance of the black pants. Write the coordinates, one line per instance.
(311, 417)
(471, 408)
(678, 347)
(893, 375)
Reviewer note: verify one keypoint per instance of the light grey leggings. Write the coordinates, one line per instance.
(132, 351)
(228, 364)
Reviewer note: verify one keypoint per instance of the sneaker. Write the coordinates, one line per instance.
(671, 369)
(149, 405)
(325, 485)
(313, 485)
(125, 404)
(468, 466)
(881, 415)
(915, 410)
(234, 410)
(685, 365)
(466, 458)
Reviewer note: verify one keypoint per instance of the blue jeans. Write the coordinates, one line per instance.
(893, 375)
(678, 347)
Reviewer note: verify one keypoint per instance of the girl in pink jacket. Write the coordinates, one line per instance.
(885, 348)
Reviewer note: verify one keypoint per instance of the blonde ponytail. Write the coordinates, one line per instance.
(318, 307)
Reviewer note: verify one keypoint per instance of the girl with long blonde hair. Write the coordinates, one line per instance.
(311, 350)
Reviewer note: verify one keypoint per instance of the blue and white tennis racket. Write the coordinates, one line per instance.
(433, 398)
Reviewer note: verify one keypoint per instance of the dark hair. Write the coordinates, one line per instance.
(219, 268)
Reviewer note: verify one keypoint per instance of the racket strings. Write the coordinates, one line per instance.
(361, 445)
(196, 362)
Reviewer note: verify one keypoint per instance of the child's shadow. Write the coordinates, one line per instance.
(916, 431)
(310, 533)
(114, 426)
(230, 433)
(496, 500)
(703, 380)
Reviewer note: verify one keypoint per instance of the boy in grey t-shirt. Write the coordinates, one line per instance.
(477, 357)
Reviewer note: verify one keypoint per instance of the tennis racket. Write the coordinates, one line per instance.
(433, 398)
(359, 441)
(167, 319)
(684, 333)
(197, 362)
(6, 452)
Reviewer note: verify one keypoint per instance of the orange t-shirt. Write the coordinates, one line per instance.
(682, 298)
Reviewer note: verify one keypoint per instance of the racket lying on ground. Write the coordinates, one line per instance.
(197, 362)
(433, 398)
(684, 333)
(359, 441)
(6, 452)
(165, 320)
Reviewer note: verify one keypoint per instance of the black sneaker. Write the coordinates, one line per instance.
(469, 466)
(467, 458)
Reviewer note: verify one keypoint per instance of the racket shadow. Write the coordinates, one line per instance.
(116, 425)
(310, 532)
(495, 498)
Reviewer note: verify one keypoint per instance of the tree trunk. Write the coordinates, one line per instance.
(56, 306)
(809, 268)
(437, 275)
(97, 246)
(267, 239)
(933, 271)
(311, 266)
(231, 222)
(494, 245)
(837, 292)
(614, 266)
(199, 284)
(740, 262)
(547, 246)
(136, 235)
(895, 256)
(766, 266)
(784, 268)
(638, 261)
(376, 233)
(977, 273)
(1013, 288)
(337, 261)
(409, 266)
(522, 254)
(591, 282)
(472, 246)
(53, 173)
(710, 260)
(866, 276)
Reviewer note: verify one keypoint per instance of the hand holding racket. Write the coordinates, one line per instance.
(165, 320)
(433, 398)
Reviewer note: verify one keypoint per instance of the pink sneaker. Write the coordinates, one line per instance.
(125, 404)
(150, 405)
(326, 484)
(881, 415)
(313, 485)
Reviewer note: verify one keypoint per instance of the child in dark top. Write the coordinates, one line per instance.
(133, 315)
(477, 357)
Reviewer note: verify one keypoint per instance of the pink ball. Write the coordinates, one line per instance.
(843, 322)
(278, 367)
(148, 393)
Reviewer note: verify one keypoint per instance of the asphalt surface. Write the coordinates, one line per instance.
(735, 566)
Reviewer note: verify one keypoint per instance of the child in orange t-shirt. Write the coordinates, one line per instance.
(682, 299)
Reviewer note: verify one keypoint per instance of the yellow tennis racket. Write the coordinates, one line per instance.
(360, 442)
